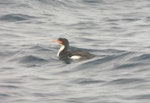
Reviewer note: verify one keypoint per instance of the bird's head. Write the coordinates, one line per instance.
(62, 41)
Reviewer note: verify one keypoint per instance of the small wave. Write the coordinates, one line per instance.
(6, 2)
(61, 3)
(3, 95)
(148, 19)
(128, 65)
(29, 59)
(39, 48)
(6, 35)
(145, 57)
(130, 19)
(142, 96)
(4, 69)
(9, 86)
(84, 25)
(87, 81)
(125, 81)
(93, 1)
(98, 60)
(15, 17)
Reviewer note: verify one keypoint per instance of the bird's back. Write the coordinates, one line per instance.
(81, 53)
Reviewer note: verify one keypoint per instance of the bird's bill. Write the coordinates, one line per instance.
(57, 41)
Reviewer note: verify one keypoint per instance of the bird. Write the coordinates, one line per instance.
(68, 56)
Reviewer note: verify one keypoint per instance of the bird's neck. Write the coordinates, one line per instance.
(63, 48)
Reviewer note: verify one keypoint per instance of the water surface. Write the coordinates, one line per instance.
(117, 31)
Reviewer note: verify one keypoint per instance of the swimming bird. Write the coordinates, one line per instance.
(66, 55)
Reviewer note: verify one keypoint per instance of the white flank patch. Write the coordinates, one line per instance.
(75, 57)
(61, 48)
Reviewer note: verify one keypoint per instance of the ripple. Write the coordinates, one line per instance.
(130, 19)
(86, 81)
(129, 65)
(29, 61)
(126, 81)
(15, 17)
(9, 86)
(4, 95)
(40, 48)
(84, 25)
(7, 68)
(144, 96)
(6, 36)
(143, 57)
(31, 58)
(99, 61)
(93, 1)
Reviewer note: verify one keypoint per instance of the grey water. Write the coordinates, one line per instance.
(116, 31)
